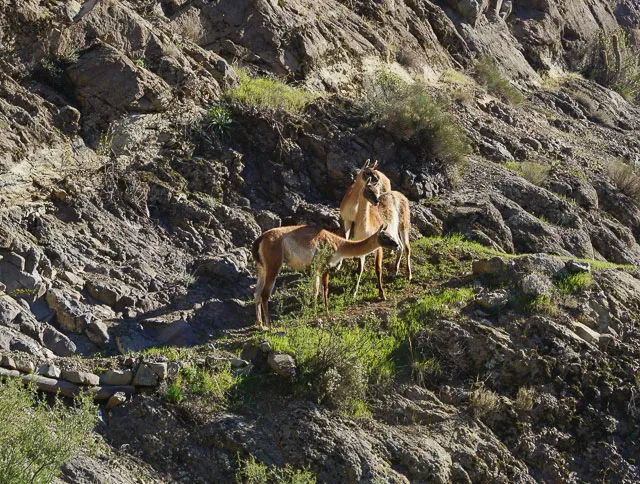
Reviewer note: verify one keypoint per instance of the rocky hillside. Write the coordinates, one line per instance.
(144, 145)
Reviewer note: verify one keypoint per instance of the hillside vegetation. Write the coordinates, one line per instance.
(144, 147)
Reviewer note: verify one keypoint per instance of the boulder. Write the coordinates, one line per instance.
(145, 376)
(107, 83)
(282, 364)
(57, 342)
(116, 377)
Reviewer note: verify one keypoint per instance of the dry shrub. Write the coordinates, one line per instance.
(625, 178)
(614, 62)
(486, 72)
(534, 172)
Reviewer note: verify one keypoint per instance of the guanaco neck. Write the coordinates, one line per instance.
(357, 248)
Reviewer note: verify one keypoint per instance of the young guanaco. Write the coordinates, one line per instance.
(296, 246)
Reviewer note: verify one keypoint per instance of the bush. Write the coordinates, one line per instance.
(532, 172)
(254, 472)
(625, 178)
(615, 63)
(337, 365)
(269, 93)
(36, 438)
(409, 111)
(486, 72)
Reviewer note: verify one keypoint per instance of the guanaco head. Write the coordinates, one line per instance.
(371, 192)
(386, 240)
(368, 172)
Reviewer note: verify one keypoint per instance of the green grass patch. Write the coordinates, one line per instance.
(269, 93)
(440, 304)
(572, 283)
(211, 386)
(251, 471)
(36, 438)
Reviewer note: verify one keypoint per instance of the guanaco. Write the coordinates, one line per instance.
(349, 204)
(296, 246)
(377, 208)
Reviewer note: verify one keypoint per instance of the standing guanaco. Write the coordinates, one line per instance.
(377, 208)
(349, 204)
(296, 246)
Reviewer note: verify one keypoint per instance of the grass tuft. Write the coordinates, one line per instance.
(269, 93)
(251, 471)
(486, 72)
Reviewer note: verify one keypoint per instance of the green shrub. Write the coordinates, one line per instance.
(36, 438)
(253, 472)
(615, 63)
(409, 111)
(269, 93)
(486, 72)
(625, 178)
(338, 364)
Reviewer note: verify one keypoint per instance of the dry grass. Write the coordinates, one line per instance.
(524, 399)
(483, 401)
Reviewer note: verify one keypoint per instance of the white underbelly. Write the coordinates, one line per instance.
(296, 258)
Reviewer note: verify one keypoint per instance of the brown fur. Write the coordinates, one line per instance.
(349, 204)
(389, 208)
(296, 246)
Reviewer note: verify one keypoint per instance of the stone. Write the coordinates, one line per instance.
(493, 266)
(58, 342)
(43, 383)
(577, 267)
(606, 341)
(81, 377)
(16, 363)
(586, 333)
(238, 363)
(72, 279)
(252, 353)
(493, 300)
(282, 364)
(159, 368)
(145, 376)
(116, 377)
(265, 346)
(70, 313)
(106, 292)
(116, 399)
(97, 332)
(49, 370)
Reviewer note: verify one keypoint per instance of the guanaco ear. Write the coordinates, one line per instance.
(366, 164)
(375, 165)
